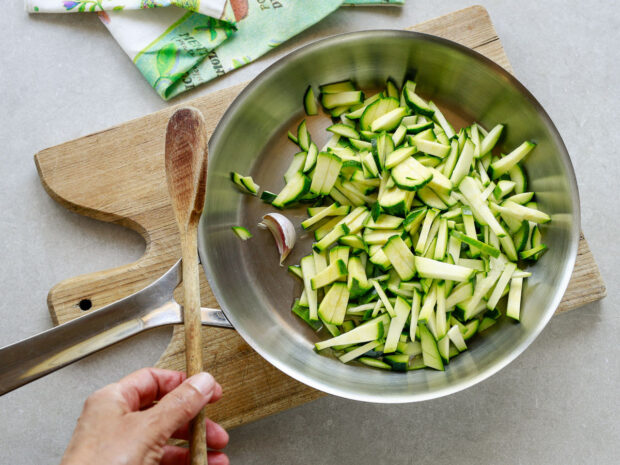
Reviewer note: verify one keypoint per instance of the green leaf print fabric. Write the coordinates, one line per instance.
(176, 48)
(373, 2)
(169, 62)
(212, 8)
(261, 26)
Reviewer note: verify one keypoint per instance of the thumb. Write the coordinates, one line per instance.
(182, 404)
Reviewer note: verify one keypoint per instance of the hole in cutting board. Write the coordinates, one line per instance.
(85, 304)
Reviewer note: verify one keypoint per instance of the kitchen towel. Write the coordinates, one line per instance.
(212, 8)
(373, 2)
(177, 49)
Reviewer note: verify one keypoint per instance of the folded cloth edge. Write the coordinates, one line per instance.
(212, 8)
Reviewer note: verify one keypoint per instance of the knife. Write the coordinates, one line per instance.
(151, 307)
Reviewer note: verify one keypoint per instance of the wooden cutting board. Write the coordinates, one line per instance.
(117, 175)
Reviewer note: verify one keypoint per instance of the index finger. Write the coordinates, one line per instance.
(143, 387)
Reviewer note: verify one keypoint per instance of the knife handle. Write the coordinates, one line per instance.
(27, 360)
(153, 306)
(39, 355)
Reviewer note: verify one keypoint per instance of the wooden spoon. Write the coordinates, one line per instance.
(186, 175)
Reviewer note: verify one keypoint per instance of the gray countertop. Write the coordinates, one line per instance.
(63, 76)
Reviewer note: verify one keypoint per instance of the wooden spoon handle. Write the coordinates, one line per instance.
(193, 340)
(186, 171)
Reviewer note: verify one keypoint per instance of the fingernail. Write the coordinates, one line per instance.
(203, 382)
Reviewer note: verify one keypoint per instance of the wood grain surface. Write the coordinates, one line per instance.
(186, 176)
(117, 175)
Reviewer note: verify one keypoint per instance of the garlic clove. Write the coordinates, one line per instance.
(283, 232)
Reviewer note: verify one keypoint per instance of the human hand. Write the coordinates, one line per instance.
(122, 425)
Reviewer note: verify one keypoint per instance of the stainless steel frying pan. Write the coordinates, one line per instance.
(256, 294)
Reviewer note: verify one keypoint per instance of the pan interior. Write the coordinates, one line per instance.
(256, 293)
